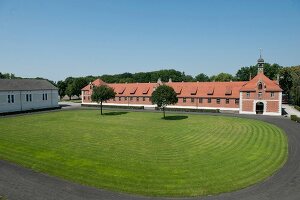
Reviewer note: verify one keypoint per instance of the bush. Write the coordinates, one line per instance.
(113, 106)
(191, 110)
(295, 118)
(297, 108)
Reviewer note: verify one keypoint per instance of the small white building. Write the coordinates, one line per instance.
(27, 94)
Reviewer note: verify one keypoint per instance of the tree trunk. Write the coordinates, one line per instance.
(101, 107)
(164, 113)
(70, 98)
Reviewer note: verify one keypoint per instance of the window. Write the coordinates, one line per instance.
(8, 98)
(218, 101)
(43, 97)
(114, 99)
(237, 101)
(144, 98)
(83, 97)
(46, 96)
(131, 98)
(272, 94)
(227, 101)
(27, 97)
(248, 94)
(120, 98)
(200, 100)
(137, 98)
(259, 95)
(260, 86)
(13, 98)
(184, 100)
(192, 100)
(30, 97)
(89, 97)
(125, 98)
(209, 100)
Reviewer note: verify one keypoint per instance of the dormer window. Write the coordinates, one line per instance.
(260, 86)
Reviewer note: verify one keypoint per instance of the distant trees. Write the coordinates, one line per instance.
(162, 96)
(202, 78)
(102, 93)
(223, 77)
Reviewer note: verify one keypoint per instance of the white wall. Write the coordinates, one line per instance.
(20, 103)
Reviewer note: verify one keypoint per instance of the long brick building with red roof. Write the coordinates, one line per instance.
(259, 95)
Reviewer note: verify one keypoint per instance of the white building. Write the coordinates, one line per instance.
(27, 94)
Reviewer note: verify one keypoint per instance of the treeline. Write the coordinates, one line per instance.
(289, 79)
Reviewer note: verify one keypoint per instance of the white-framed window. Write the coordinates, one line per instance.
(260, 86)
(209, 100)
(144, 98)
(120, 98)
(137, 99)
(248, 94)
(237, 101)
(10, 98)
(192, 100)
(184, 100)
(46, 96)
(218, 101)
(272, 94)
(259, 95)
(227, 101)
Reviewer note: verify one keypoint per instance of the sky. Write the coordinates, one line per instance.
(60, 38)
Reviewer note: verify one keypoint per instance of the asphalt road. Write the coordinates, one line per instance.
(18, 183)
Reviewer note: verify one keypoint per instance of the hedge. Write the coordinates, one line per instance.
(295, 118)
(297, 108)
(191, 110)
(112, 106)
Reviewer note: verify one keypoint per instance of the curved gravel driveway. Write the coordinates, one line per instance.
(18, 183)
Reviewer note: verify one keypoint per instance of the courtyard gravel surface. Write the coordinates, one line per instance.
(18, 183)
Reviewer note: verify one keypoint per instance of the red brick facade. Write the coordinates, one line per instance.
(259, 95)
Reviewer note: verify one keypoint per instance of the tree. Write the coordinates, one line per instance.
(78, 84)
(70, 90)
(102, 93)
(202, 78)
(223, 77)
(164, 95)
(62, 86)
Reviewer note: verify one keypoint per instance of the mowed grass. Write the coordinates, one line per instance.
(138, 152)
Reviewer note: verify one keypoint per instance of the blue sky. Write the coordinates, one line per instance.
(57, 39)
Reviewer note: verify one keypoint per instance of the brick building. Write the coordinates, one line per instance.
(259, 95)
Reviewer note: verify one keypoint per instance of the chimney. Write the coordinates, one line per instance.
(159, 81)
(277, 80)
(250, 76)
(170, 80)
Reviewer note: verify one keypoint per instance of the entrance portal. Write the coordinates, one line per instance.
(259, 108)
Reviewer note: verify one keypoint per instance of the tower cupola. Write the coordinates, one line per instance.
(260, 64)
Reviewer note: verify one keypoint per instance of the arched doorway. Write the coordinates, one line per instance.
(259, 108)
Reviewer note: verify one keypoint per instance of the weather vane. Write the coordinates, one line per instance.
(260, 50)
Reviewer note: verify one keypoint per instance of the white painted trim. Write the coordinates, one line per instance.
(260, 100)
(280, 103)
(241, 102)
(153, 106)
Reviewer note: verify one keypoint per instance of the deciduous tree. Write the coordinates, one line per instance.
(164, 95)
(102, 93)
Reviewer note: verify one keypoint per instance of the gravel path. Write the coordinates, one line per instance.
(18, 183)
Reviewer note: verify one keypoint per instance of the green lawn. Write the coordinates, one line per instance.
(138, 152)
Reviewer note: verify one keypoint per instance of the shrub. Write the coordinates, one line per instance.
(297, 108)
(113, 106)
(295, 118)
(191, 110)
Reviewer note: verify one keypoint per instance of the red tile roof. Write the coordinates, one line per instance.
(269, 84)
(193, 89)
